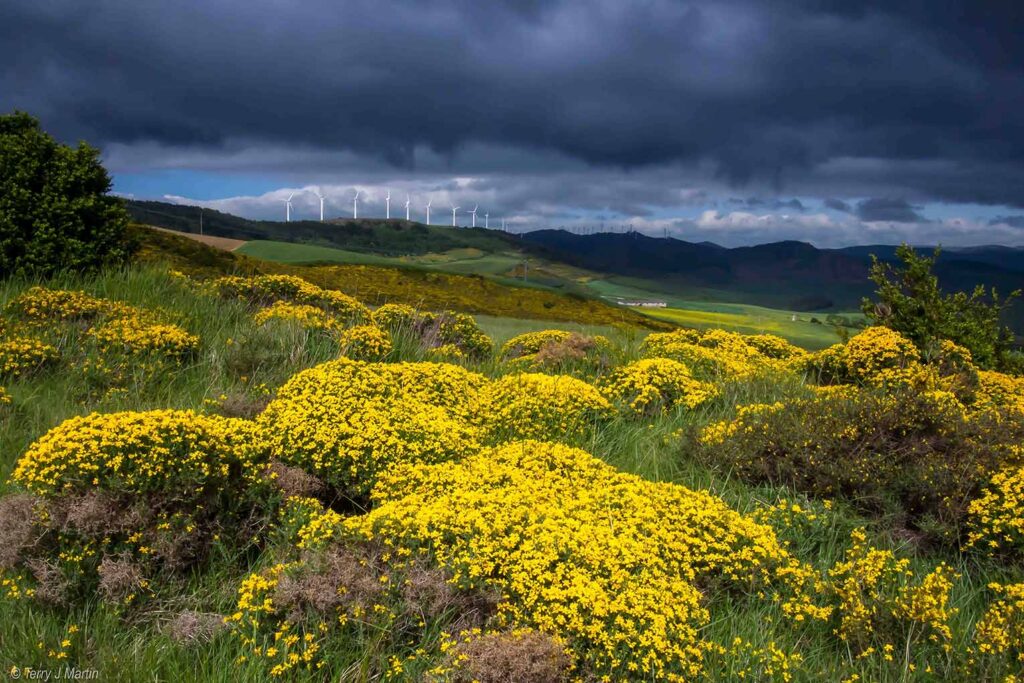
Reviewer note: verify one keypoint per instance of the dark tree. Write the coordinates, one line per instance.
(911, 302)
(55, 210)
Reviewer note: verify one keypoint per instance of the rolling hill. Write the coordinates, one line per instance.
(790, 275)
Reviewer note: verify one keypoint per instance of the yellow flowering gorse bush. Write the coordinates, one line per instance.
(539, 406)
(304, 315)
(364, 342)
(347, 421)
(578, 549)
(139, 452)
(655, 385)
(22, 356)
(997, 516)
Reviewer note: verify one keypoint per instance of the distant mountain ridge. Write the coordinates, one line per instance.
(787, 274)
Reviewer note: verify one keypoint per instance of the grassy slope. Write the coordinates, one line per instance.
(135, 649)
(742, 318)
(417, 286)
(700, 314)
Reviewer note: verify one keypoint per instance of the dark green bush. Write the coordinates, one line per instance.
(915, 459)
(55, 210)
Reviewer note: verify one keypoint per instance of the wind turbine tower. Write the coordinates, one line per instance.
(355, 205)
(387, 203)
(428, 210)
(288, 208)
(474, 214)
(406, 207)
(486, 217)
(321, 198)
(454, 209)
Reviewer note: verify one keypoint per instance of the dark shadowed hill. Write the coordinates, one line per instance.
(793, 275)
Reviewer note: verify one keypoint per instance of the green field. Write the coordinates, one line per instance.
(795, 326)
(290, 252)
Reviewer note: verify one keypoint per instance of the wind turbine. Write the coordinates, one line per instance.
(428, 210)
(454, 209)
(486, 219)
(474, 214)
(355, 205)
(288, 208)
(321, 197)
(387, 203)
(406, 207)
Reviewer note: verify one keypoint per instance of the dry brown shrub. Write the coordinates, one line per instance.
(93, 513)
(428, 594)
(18, 531)
(573, 349)
(120, 576)
(294, 481)
(340, 577)
(51, 584)
(190, 627)
(242, 405)
(530, 657)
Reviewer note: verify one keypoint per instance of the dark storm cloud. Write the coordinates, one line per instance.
(761, 92)
(887, 209)
(1012, 221)
(773, 204)
(837, 205)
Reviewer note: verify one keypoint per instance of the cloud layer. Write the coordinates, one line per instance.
(881, 108)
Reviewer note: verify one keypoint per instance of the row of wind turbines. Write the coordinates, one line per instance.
(387, 203)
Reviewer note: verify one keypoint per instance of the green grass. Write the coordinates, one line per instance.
(236, 356)
(290, 252)
(743, 318)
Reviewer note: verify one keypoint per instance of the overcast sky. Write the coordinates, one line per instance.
(738, 121)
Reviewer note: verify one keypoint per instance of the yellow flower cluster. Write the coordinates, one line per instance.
(306, 316)
(5, 398)
(132, 336)
(539, 406)
(717, 432)
(115, 327)
(654, 385)
(141, 452)
(364, 342)
(347, 421)
(448, 352)
(458, 329)
(606, 561)
(997, 517)
(40, 305)
(873, 589)
(288, 647)
(773, 346)
(997, 389)
(1000, 631)
(717, 353)
(395, 317)
(446, 334)
(22, 356)
(263, 290)
(877, 356)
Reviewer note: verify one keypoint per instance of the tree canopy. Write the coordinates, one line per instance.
(56, 212)
(911, 302)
